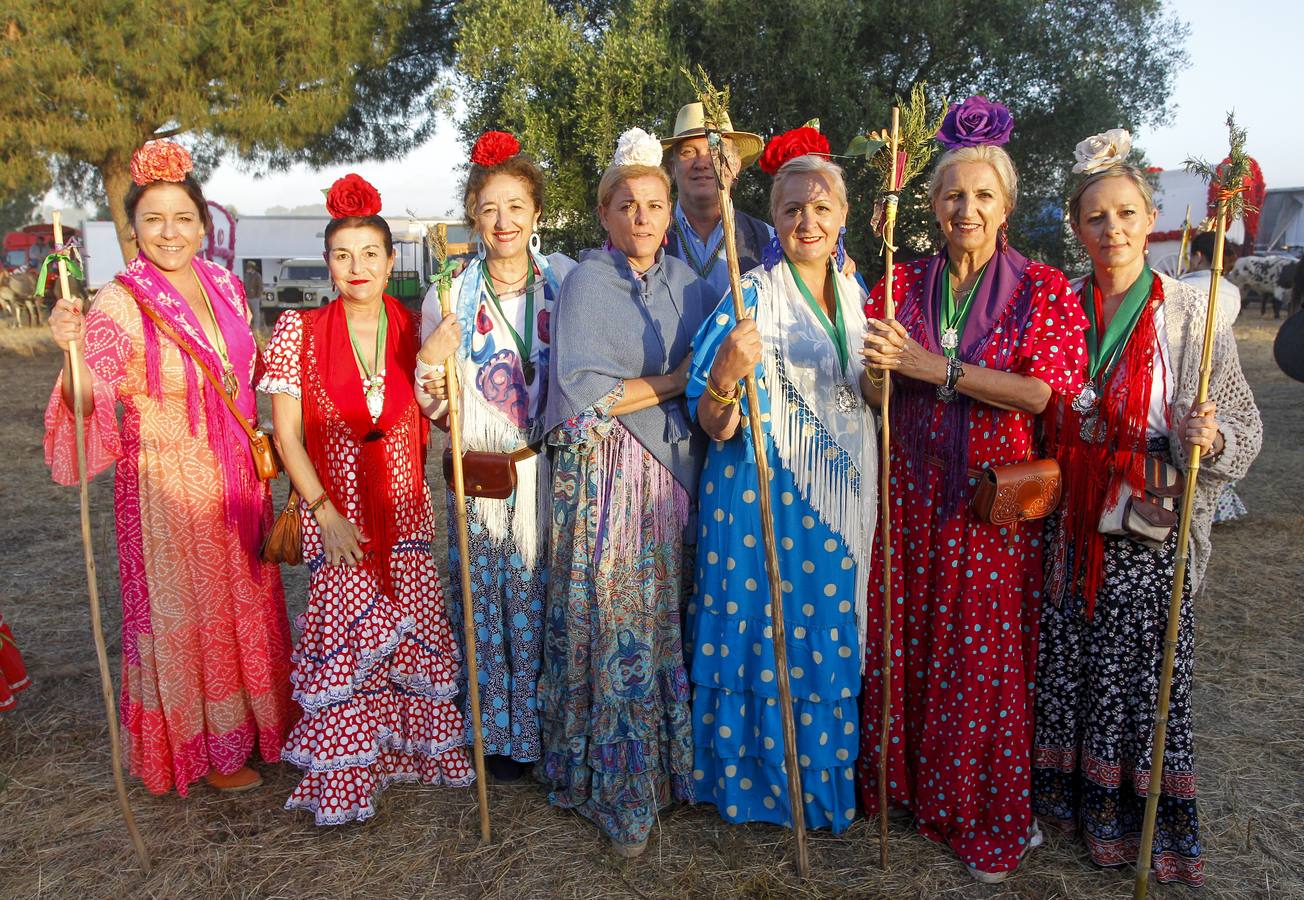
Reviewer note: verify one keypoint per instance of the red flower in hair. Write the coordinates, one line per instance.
(160, 161)
(494, 148)
(352, 195)
(790, 145)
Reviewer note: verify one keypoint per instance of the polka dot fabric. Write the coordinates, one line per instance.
(965, 608)
(376, 674)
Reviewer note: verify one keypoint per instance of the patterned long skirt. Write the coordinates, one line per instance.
(614, 697)
(1097, 690)
(508, 601)
(13, 676)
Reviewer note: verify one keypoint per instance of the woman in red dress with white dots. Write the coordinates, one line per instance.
(982, 338)
(375, 668)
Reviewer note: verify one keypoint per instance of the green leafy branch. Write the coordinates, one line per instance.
(917, 144)
(1228, 178)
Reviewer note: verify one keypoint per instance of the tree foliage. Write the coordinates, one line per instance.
(568, 80)
(88, 81)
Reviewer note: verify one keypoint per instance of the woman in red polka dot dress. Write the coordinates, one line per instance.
(983, 336)
(375, 668)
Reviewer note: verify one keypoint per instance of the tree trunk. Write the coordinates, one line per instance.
(116, 174)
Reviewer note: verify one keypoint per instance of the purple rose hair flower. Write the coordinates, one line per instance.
(974, 122)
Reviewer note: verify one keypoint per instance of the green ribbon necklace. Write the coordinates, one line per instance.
(1104, 352)
(523, 347)
(953, 320)
(703, 266)
(837, 329)
(373, 383)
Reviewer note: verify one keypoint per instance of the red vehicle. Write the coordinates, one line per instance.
(27, 247)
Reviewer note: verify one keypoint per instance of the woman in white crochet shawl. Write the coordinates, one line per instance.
(1111, 555)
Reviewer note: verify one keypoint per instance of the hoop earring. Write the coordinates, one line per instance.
(535, 242)
(481, 251)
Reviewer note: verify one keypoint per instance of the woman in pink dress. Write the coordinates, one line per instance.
(13, 675)
(983, 338)
(375, 668)
(205, 641)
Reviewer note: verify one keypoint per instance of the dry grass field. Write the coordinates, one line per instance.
(60, 835)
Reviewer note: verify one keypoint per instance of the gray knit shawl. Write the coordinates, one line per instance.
(609, 325)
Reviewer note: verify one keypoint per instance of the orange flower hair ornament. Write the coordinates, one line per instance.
(160, 161)
(352, 195)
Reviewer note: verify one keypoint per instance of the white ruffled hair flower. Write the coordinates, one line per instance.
(637, 148)
(1100, 151)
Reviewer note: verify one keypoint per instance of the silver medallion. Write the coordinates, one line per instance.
(1093, 428)
(374, 390)
(1087, 399)
(847, 400)
(950, 339)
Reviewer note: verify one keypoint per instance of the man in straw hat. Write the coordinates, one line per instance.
(695, 235)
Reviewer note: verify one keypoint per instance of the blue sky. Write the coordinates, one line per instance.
(1261, 78)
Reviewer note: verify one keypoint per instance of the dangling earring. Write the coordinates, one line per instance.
(535, 243)
(841, 253)
(1003, 237)
(665, 239)
(481, 251)
(772, 253)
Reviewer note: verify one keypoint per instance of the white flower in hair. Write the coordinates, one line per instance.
(1100, 151)
(637, 148)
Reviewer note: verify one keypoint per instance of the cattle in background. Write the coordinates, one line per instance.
(1262, 276)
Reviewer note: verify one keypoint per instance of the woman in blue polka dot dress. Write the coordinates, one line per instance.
(805, 324)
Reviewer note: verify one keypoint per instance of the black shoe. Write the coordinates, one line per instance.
(506, 769)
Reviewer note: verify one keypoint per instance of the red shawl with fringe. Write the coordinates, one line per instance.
(332, 393)
(1096, 474)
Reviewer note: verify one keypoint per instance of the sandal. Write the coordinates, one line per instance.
(1035, 839)
(242, 779)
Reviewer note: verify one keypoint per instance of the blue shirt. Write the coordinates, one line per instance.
(697, 251)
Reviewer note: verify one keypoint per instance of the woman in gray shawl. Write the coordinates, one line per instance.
(614, 698)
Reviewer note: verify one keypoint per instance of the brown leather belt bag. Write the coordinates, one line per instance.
(1019, 492)
(485, 474)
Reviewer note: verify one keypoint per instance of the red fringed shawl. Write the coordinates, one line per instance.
(332, 393)
(1095, 474)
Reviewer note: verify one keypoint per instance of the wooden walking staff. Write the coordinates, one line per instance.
(1184, 251)
(443, 279)
(92, 583)
(1230, 179)
(715, 105)
(906, 157)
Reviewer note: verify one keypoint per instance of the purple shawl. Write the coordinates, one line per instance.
(244, 493)
(998, 296)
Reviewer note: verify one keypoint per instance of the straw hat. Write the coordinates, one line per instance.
(691, 122)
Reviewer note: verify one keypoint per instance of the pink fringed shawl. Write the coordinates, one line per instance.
(245, 494)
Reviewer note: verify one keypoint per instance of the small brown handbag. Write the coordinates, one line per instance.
(485, 474)
(284, 542)
(1151, 517)
(1020, 492)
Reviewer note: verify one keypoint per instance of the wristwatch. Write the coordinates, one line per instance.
(954, 372)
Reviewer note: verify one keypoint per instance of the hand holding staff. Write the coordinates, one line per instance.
(1230, 181)
(92, 584)
(444, 281)
(715, 104)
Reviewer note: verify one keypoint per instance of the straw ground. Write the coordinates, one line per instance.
(60, 835)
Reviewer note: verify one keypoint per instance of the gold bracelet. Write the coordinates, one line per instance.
(720, 398)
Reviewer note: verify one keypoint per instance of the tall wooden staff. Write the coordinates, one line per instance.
(885, 484)
(1184, 251)
(905, 159)
(92, 583)
(444, 280)
(1230, 180)
(715, 105)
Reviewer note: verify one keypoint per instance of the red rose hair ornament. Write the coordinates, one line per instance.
(160, 161)
(352, 195)
(790, 145)
(493, 148)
